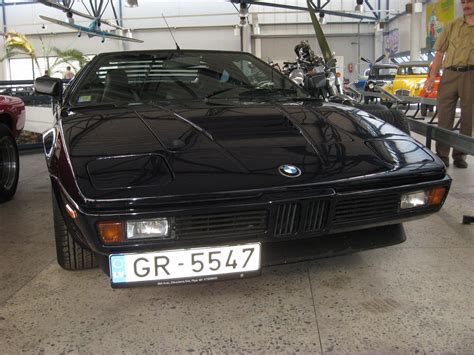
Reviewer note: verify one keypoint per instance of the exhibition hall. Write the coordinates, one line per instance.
(237, 176)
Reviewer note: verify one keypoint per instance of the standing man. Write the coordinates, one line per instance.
(455, 53)
(68, 74)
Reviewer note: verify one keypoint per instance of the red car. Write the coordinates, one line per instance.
(12, 122)
(433, 94)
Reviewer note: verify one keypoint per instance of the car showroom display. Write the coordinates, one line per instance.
(188, 165)
(409, 80)
(379, 76)
(12, 122)
(317, 77)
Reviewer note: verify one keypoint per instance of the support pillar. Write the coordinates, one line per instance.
(415, 29)
(258, 48)
(247, 39)
(4, 75)
(4, 66)
(378, 44)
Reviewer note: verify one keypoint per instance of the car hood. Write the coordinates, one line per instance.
(408, 82)
(197, 148)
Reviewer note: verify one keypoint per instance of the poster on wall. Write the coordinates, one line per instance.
(391, 42)
(437, 14)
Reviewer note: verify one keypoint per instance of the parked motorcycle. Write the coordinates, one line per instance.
(318, 78)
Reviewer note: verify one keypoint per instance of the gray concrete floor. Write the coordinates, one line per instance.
(416, 297)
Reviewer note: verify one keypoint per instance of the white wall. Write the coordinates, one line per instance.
(193, 38)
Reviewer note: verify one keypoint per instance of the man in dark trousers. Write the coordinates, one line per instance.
(455, 53)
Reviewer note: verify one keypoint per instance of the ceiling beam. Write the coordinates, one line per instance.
(301, 8)
(377, 16)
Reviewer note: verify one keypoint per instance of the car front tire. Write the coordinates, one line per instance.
(424, 110)
(9, 164)
(392, 116)
(70, 254)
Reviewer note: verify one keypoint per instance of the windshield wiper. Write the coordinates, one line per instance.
(194, 125)
(99, 105)
(268, 91)
(93, 106)
(220, 92)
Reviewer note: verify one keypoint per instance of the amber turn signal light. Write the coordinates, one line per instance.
(70, 211)
(111, 232)
(436, 196)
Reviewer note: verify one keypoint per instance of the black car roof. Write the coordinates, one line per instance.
(394, 66)
(415, 64)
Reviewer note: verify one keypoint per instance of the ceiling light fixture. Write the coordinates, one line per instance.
(322, 18)
(256, 29)
(243, 14)
(236, 30)
(360, 6)
(131, 3)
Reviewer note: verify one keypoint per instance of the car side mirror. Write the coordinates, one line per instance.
(49, 86)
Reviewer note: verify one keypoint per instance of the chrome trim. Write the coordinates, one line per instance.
(66, 151)
(282, 171)
(53, 131)
(8, 160)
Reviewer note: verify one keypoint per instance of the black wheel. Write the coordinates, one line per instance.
(424, 110)
(400, 120)
(71, 255)
(394, 117)
(9, 164)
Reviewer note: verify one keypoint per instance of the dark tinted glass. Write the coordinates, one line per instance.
(413, 70)
(384, 71)
(185, 75)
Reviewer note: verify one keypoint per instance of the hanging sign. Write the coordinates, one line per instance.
(438, 13)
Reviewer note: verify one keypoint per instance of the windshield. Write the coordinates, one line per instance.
(421, 70)
(185, 75)
(384, 71)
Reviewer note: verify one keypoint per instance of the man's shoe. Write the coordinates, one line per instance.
(445, 160)
(460, 163)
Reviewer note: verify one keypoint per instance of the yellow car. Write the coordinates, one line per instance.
(410, 79)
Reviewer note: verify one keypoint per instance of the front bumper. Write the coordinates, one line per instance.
(346, 219)
(293, 251)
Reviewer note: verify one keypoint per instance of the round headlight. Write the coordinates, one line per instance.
(297, 76)
(371, 86)
(331, 79)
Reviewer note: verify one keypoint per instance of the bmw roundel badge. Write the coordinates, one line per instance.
(290, 171)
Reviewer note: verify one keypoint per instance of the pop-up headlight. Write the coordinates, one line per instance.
(151, 228)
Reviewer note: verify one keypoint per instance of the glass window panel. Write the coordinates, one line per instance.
(42, 67)
(21, 69)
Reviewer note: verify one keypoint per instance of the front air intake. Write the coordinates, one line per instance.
(241, 224)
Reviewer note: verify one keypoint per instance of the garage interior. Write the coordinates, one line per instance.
(415, 297)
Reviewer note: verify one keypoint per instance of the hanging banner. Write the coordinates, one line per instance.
(438, 13)
(391, 42)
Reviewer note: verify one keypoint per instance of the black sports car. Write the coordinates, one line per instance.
(181, 166)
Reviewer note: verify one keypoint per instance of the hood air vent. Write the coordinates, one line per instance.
(245, 127)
